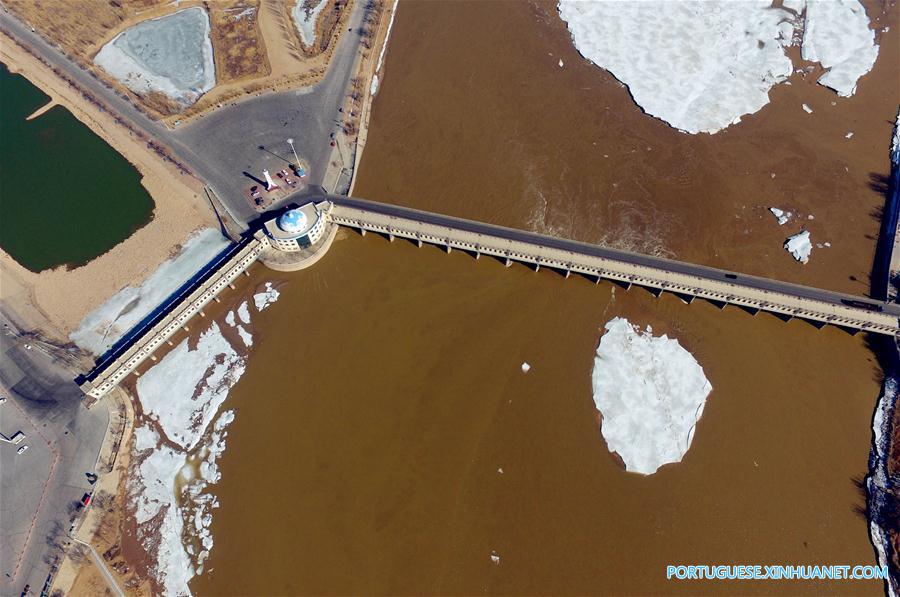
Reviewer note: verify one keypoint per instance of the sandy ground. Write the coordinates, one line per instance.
(54, 301)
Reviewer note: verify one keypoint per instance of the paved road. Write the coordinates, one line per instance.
(230, 138)
(701, 271)
(39, 488)
(222, 145)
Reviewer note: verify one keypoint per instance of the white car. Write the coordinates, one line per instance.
(22, 449)
(2, 399)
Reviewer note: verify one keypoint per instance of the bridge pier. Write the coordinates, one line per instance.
(215, 298)
(419, 242)
(246, 273)
(568, 273)
(170, 343)
(477, 255)
(508, 262)
(362, 231)
(153, 357)
(537, 266)
(448, 248)
(390, 237)
(656, 292)
(202, 314)
(231, 286)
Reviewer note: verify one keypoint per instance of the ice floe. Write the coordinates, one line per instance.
(184, 390)
(160, 524)
(172, 54)
(781, 215)
(526, 367)
(265, 298)
(373, 89)
(699, 66)
(180, 396)
(799, 246)
(807, 109)
(105, 325)
(244, 313)
(650, 392)
(702, 65)
(836, 34)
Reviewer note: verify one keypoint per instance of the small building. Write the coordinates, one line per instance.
(296, 228)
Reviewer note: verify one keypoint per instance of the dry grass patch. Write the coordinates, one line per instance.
(238, 48)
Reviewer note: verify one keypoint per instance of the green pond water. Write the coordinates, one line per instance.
(66, 196)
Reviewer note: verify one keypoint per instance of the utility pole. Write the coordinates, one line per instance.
(296, 159)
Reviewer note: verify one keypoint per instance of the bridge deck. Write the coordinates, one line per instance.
(686, 280)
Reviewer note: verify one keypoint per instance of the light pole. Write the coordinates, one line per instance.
(296, 159)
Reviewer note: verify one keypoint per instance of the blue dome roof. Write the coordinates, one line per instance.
(293, 221)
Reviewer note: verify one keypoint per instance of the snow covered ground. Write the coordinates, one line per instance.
(171, 54)
(650, 392)
(702, 65)
(178, 441)
(106, 324)
(305, 19)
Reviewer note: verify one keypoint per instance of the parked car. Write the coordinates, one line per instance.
(2, 399)
(22, 449)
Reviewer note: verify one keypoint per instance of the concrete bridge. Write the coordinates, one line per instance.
(753, 294)
(688, 281)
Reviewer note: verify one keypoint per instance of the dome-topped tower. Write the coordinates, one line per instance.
(293, 221)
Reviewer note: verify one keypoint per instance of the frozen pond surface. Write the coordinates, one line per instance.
(305, 18)
(172, 54)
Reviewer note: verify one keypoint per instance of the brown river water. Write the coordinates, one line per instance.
(384, 392)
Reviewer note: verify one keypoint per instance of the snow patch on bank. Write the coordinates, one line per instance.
(650, 392)
(701, 66)
(105, 325)
(171, 54)
(305, 19)
(879, 485)
(837, 35)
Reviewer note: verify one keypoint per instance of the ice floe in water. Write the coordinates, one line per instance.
(180, 397)
(781, 215)
(105, 325)
(837, 35)
(702, 65)
(699, 66)
(799, 246)
(650, 392)
(305, 15)
(265, 298)
(171, 54)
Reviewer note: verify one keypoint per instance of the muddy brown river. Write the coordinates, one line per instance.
(386, 438)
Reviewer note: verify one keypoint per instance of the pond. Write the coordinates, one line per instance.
(66, 196)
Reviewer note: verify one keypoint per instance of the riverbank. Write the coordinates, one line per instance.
(54, 301)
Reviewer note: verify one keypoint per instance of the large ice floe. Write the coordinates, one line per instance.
(702, 65)
(178, 441)
(105, 325)
(650, 392)
(837, 35)
(800, 246)
(306, 14)
(171, 54)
